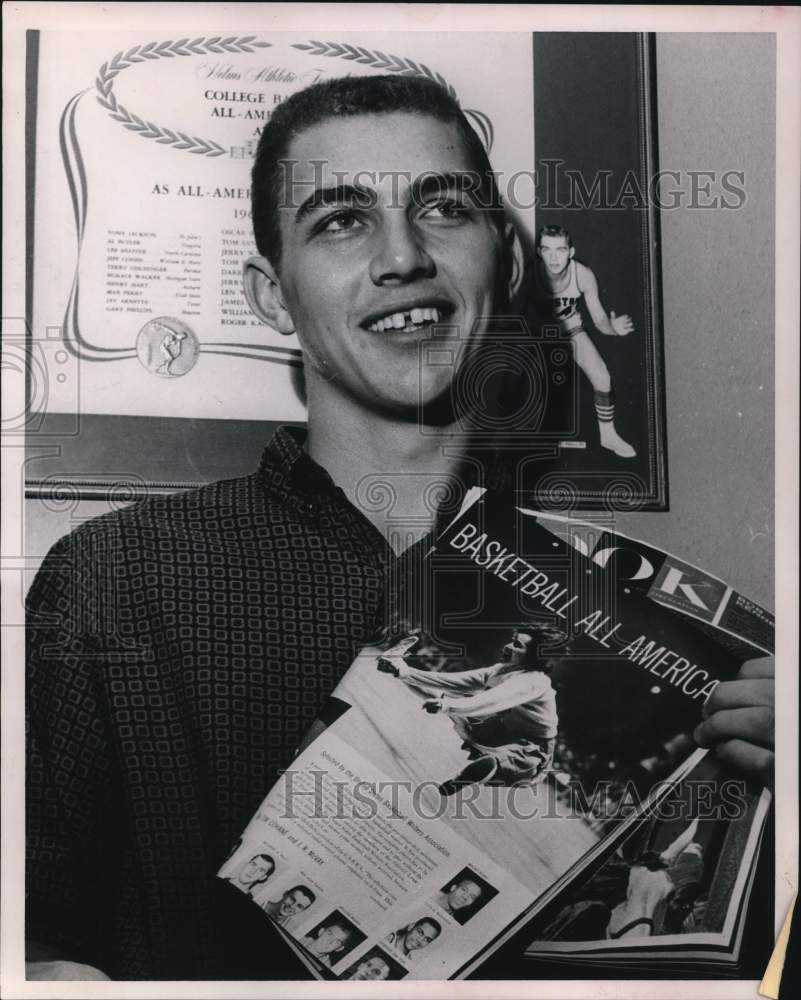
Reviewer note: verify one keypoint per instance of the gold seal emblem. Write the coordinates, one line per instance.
(167, 347)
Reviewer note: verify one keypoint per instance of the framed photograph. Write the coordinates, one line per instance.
(591, 287)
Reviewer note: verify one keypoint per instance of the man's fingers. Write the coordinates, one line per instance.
(744, 756)
(739, 694)
(764, 667)
(753, 724)
(622, 325)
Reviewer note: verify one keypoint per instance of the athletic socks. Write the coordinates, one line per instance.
(610, 439)
(604, 407)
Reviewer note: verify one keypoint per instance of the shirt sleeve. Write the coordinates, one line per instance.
(68, 758)
(510, 693)
(434, 683)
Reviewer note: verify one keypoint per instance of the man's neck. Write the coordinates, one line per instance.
(386, 467)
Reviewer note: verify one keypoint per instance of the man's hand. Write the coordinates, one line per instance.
(738, 720)
(75, 971)
(433, 705)
(387, 666)
(621, 325)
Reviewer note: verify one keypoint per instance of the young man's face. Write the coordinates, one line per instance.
(293, 903)
(420, 935)
(365, 283)
(515, 652)
(555, 254)
(330, 939)
(463, 894)
(372, 968)
(254, 870)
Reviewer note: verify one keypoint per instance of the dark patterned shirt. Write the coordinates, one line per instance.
(178, 651)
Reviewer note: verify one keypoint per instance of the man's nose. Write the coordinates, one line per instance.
(399, 253)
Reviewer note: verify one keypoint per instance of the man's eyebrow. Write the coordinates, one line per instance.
(432, 183)
(335, 194)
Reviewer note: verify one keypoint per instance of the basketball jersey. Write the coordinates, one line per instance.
(562, 307)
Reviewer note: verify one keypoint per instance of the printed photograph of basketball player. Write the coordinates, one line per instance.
(591, 306)
(654, 892)
(671, 876)
(375, 965)
(504, 714)
(560, 283)
(333, 938)
(288, 906)
(464, 895)
(411, 940)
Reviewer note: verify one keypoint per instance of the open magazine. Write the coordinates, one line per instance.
(519, 733)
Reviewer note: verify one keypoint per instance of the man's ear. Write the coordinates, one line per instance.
(264, 296)
(572, 253)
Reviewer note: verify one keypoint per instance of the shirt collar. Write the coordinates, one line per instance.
(287, 469)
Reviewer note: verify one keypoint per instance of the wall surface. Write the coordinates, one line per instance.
(716, 101)
(716, 113)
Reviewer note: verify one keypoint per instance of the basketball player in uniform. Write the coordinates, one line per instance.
(560, 282)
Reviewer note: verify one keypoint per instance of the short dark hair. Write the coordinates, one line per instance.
(541, 635)
(553, 230)
(347, 97)
(304, 889)
(426, 920)
(262, 857)
(342, 926)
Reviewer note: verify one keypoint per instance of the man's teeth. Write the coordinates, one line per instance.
(399, 320)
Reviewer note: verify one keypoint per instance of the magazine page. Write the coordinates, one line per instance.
(673, 887)
(523, 704)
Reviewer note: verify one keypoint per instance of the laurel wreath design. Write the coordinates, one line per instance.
(166, 50)
(375, 58)
(104, 82)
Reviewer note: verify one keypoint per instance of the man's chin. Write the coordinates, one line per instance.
(428, 406)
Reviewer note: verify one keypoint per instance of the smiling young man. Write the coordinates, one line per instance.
(292, 902)
(415, 936)
(180, 649)
(365, 266)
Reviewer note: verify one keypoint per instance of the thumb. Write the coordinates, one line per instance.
(612, 314)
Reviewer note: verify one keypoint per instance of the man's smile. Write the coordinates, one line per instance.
(408, 316)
